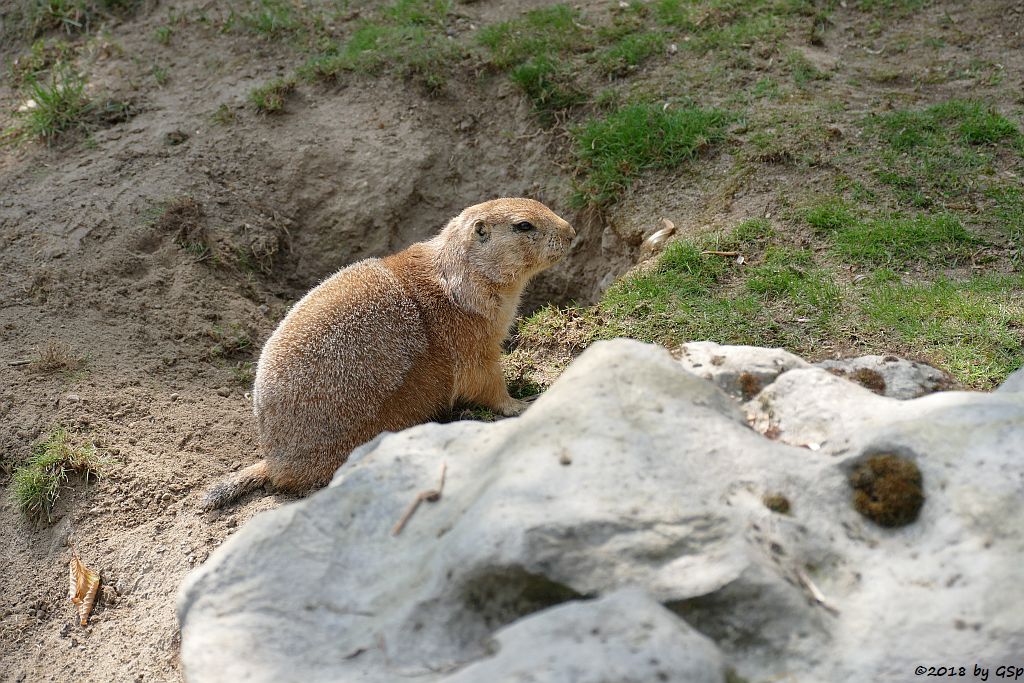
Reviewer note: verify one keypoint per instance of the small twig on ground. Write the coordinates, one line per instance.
(818, 596)
(530, 136)
(430, 495)
(16, 363)
(720, 253)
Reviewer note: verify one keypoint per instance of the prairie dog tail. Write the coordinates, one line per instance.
(235, 486)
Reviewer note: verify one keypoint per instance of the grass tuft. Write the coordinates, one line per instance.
(68, 15)
(42, 57)
(629, 52)
(232, 342)
(73, 16)
(270, 97)
(803, 71)
(753, 229)
(224, 116)
(54, 107)
(272, 18)
(163, 34)
(57, 356)
(613, 151)
(728, 24)
(408, 37)
(38, 482)
(549, 88)
(546, 32)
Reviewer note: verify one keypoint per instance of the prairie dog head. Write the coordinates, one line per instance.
(507, 241)
(500, 245)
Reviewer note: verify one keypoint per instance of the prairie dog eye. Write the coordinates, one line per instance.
(523, 226)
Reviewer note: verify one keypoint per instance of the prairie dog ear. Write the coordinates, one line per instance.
(482, 230)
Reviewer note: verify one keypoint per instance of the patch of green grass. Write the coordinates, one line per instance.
(609, 99)
(163, 34)
(943, 154)
(68, 15)
(803, 71)
(272, 18)
(675, 13)
(770, 147)
(42, 57)
(766, 88)
(549, 87)
(678, 301)
(788, 297)
(894, 240)
(686, 296)
(791, 275)
(1007, 218)
(418, 12)
(243, 373)
(730, 24)
(223, 116)
(536, 49)
(976, 122)
(160, 75)
(54, 107)
(753, 230)
(408, 37)
(358, 53)
(303, 25)
(899, 7)
(629, 52)
(956, 121)
(38, 482)
(545, 32)
(270, 97)
(614, 150)
(973, 328)
(73, 16)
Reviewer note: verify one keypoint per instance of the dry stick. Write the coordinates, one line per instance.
(818, 596)
(720, 253)
(16, 363)
(430, 496)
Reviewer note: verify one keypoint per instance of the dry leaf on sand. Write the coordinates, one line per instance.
(84, 584)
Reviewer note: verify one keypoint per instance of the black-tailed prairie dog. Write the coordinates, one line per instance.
(389, 343)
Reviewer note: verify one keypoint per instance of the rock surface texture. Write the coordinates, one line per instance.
(620, 530)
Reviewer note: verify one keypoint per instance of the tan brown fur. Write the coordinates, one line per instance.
(386, 344)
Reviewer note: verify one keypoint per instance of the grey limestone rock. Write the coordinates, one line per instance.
(740, 371)
(632, 473)
(1014, 383)
(626, 637)
(891, 376)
